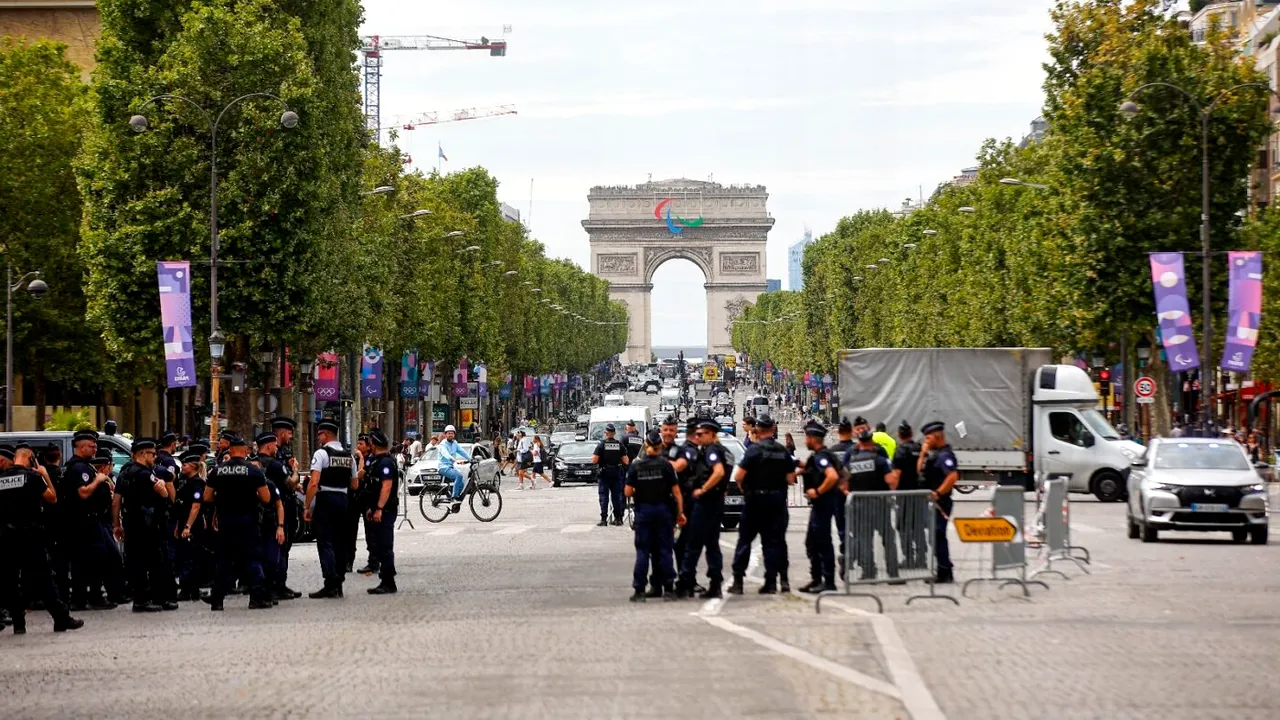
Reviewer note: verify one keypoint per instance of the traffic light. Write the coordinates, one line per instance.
(1104, 382)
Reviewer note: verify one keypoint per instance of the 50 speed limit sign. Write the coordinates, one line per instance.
(1144, 389)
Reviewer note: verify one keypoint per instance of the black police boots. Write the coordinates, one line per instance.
(713, 591)
(736, 587)
(368, 569)
(386, 587)
(146, 607)
(669, 593)
(637, 596)
(655, 591)
(257, 602)
(328, 591)
(286, 593)
(215, 603)
(814, 586)
(770, 586)
(944, 577)
(785, 583)
(66, 623)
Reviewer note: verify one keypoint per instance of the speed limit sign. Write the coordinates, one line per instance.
(1144, 389)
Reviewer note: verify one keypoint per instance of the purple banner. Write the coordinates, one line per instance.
(482, 379)
(1168, 277)
(1244, 309)
(326, 385)
(409, 375)
(175, 320)
(428, 370)
(371, 373)
(460, 378)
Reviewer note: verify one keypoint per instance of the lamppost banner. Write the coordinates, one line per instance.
(482, 379)
(1244, 309)
(175, 320)
(371, 373)
(424, 380)
(1169, 278)
(460, 378)
(327, 387)
(409, 375)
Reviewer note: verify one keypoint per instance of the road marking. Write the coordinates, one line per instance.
(713, 606)
(818, 663)
(513, 530)
(445, 531)
(576, 528)
(915, 693)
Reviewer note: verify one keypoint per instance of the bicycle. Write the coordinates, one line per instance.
(436, 505)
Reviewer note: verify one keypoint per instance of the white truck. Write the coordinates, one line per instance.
(1010, 413)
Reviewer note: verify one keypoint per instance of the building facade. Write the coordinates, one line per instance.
(74, 22)
(795, 261)
(773, 285)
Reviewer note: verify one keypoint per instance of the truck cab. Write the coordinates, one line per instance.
(1072, 438)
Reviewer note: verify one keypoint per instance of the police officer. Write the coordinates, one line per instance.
(166, 446)
(284, 427)
(709, 480)
(870, 471)
(272, 522)
(631, 438)
(765, 471)
(333, 475)
(653, 487)
(911, 530)
(224, 446)
(88, 508)
(680, 456)
(382, 503)
(109, 428)
(23, 562)
(861, 425)
(844, 431)
(355, 505)
(821, 487)
(188, 525)
(237, 491)
(140, 516)
(610, 456)
(748, 431)
(939, 473)
(59, 535)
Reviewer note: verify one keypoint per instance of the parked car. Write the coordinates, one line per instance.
(573, 463)
(426, 472)
(1203, 484)
(119, 445)
(733, 494)
(727, 424)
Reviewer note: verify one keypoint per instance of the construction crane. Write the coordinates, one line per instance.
(435, 118)
(372, 47)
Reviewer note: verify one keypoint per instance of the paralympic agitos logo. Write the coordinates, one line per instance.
(675, 225)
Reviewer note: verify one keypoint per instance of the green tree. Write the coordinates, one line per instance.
(40, 126)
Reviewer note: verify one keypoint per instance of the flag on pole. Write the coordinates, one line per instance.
(441, 151)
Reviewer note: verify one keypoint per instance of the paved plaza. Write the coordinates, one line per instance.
(527, 617)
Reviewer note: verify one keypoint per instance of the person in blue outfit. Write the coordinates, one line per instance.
(765, 472)
(610, 457)
(238, 490)
(653, 486)
(333, 476)
(709, 478)
(939, 472)
(451, 456)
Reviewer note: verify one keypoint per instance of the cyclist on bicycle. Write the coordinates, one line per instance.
(451, 454)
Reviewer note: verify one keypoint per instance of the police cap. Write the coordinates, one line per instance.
(237, 441)
(143, 444)
(845, 425)
(362, 437)
(191, 456)
(283, 422)
(199, 444)
(379, 438)
(654, 438)
(85, 435)
(226, 435)
(709, 425)
(265, 438)
(816, 429)
(51, 450)
(103, 457)
(860, 421)
(6, 452)
(904, 428)
(864, 435)
(765, 421)
(610, 428)
(933, 427)
(631, 423)
(327, 426)
(168, 438)
(670, 420)
(690, 425)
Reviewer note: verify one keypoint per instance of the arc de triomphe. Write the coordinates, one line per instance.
(721, 229)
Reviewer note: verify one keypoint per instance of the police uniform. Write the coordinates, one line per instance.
(23, 561)
(828, 506)
(234, 489)
(95, 552)
(355, 513)
(188, 533)
(767, 464)
(634, 443)
(282, 472)
(271, 521)
(609, 454)
(337, 467)
(867, 470)
(671, 453)
(144, 519)
(940, 463)
(652, 481)
(381, 532)
(703, 526)
(911, 531)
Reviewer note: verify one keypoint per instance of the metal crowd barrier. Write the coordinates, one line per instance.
(1011, 554)
(1054, 516)
(889, 540)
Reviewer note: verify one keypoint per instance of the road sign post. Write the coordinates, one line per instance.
(1144, 390)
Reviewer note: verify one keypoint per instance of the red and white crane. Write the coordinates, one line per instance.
(434, 118)
(372, 47)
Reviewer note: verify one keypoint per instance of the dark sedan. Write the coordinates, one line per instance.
(573, 463)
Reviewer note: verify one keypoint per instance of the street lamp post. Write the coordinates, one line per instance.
(37, 288)
(289, 120)
(1129, 109)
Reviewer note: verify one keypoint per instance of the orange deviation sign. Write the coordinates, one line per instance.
(988, 529)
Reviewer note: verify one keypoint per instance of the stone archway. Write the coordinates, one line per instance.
(721, 229)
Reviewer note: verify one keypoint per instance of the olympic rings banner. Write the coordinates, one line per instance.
(1244, 309)
(1169, 278)
(175, 320)
(327, 387)
(409, 375)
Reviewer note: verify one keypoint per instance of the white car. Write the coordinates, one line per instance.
(426, 472)
(1198, 484)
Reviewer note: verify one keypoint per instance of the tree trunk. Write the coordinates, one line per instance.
(39, 399)
(1161, 415)
(239, 413)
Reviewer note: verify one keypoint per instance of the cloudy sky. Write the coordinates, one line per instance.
(833, 105)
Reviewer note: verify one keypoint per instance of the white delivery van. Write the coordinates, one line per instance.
(618, 417)
(614, 400)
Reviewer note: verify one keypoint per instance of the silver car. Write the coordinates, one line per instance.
(426, 472)
(1203, 484)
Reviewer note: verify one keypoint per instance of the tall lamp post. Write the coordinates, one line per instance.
(1129, 109)
(37, 288)
(289, 120)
